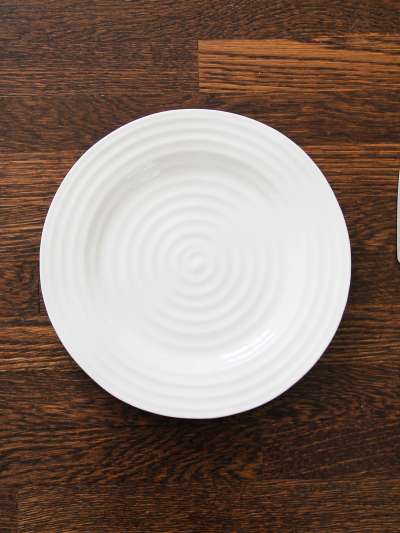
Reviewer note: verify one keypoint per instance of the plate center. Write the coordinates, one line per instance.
(187, 265)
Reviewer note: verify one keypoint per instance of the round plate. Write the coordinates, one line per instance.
(195, 263)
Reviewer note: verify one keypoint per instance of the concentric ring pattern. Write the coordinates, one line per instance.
(195, 263)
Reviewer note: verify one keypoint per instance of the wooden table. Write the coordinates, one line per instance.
(324, 457)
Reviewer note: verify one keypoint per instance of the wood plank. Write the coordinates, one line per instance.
(324, 118)
(19, 289)
(8, 511)
(164, 55)
(342, 420)
(92, 81)
(352, 65)
(55, 440)
(89, 24)
(251, 507)
(112, 69)
(183, 452)
(367, 334)
(327, 391)
(49, 123)
(31, 344)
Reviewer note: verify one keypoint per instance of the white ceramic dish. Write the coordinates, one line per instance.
(195, 263)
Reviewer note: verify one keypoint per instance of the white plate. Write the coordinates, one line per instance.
(195, 263)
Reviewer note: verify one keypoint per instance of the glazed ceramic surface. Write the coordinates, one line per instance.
(195, 263)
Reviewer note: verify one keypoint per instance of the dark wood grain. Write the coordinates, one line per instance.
(75, 122)
(324, 456)
(106, 70)
(254, 507)
(8, 511)
(30, 344)
(338, 419)
(32, 24)
(19, 289)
